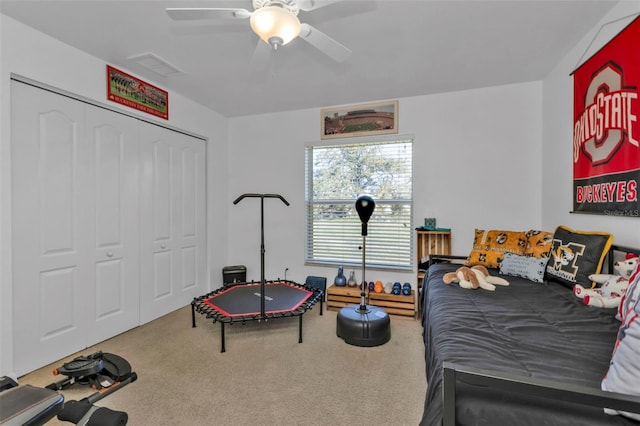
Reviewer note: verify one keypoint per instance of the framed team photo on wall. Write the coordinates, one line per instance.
(359, 120)
(130, 91)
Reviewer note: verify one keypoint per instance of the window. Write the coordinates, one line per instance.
(336, 175)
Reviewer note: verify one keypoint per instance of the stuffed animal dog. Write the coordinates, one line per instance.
(474, 277)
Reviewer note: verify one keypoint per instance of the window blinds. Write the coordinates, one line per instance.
(336, 176)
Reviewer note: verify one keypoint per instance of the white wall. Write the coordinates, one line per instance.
(557, 138)
(36, 56)
(497, 157)
(477, 163)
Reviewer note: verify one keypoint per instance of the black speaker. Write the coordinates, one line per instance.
(234, 274)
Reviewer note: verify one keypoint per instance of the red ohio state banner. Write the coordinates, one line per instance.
(606, 131)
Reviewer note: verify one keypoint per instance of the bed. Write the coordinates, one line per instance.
(526, 354)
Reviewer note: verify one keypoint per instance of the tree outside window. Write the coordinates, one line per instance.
(336, 176)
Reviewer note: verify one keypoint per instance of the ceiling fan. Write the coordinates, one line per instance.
(275, 22)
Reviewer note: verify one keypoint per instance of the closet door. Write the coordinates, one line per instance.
(172, 227)
(108, 224)
(75, 182)
(51, 177)
(113, 302)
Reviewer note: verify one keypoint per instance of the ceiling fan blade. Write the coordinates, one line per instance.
(194, 13)
(308, 5)
(324, 43)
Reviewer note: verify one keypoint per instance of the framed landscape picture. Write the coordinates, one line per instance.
(359, 120)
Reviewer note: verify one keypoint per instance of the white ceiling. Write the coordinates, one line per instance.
(401, 48)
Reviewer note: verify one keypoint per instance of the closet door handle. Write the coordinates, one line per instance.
(109, 254)
(163, 246)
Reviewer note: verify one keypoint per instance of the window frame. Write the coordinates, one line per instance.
(309, 203)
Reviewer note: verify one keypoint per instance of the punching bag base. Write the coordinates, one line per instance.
(368, 327)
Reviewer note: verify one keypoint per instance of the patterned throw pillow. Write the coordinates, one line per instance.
(489, 247)
(531, 268)
(577, 254)
(538, 243)
(624, 369)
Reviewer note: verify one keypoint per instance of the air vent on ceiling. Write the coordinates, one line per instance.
(156, 64)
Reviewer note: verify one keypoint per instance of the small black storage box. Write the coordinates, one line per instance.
(234, 274)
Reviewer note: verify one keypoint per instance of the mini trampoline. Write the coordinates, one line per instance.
(241, 302)
(257, 301)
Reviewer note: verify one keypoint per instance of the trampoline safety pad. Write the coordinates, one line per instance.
(242, 300)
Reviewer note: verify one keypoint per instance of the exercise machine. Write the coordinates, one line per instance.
(30, 405)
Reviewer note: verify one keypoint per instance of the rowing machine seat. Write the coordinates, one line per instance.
(29, 405)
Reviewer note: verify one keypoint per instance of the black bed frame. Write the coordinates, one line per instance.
(549, 389)
(528, 386)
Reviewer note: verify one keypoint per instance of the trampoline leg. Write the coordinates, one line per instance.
(222, 336)
(193, 315)
(300, 330)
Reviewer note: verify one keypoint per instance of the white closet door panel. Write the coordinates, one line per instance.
(189, 192)
(50, 249)
(159, 266)
(173, 249)
(109, 151)
(109, 289)
(193, 228)
(189, 277)
(114, 205)
(57, 185)
(57, 288)
(162, 188)
(162, 275)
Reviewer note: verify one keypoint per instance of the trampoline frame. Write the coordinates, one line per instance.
(199, 305)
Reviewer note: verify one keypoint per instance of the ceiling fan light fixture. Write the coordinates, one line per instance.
(275, 25)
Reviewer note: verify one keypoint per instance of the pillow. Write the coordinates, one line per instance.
(538, 243)
(490, 246)
(623, 375)
(531, 268)
(577, 254)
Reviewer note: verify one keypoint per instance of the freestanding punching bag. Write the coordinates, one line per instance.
(364, 325)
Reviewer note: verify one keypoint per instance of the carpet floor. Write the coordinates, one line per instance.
(265, 377)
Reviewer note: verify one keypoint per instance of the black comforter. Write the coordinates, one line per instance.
(530, 329)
